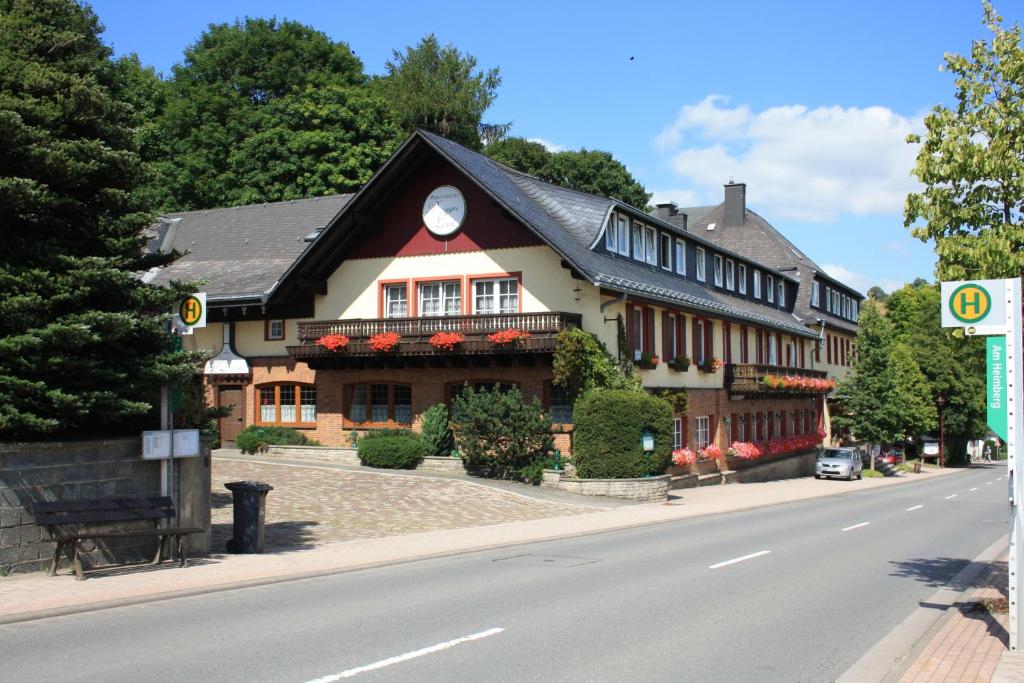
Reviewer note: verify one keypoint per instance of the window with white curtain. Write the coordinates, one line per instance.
(440, 298)
(496, 296)
(396, 301)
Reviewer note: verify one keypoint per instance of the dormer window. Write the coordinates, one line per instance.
(743, 278)
(611, 242)
(638, 242)
(828, 299)
(782, 293)
(718, 270)
(666, 251)
(815, 293)
(701, 265)
(680, 257)
(623, 235)
(651, 245)
(757, 284)
(769, 288)
(730, 275)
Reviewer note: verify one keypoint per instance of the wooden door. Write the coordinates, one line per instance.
(233, 423)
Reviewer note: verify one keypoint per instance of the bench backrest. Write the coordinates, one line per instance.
(103, 510)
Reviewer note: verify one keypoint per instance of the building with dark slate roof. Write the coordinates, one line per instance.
(304, 296)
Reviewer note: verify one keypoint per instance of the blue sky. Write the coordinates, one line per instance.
(806, 102)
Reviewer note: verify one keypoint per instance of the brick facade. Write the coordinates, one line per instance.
(717, 404)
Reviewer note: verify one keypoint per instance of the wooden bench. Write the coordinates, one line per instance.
(65, 520)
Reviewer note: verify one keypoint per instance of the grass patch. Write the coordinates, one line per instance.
(872, 473)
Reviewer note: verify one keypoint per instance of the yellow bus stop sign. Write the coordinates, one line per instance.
(978, 306)
(192, 310)
(970, 303)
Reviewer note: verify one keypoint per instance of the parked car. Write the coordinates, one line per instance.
(893, 455)
(843, 463)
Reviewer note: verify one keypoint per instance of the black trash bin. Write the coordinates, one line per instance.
(250, 507)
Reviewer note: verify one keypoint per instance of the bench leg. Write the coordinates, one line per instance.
(181, 550)
(55, 562)
(79, 576)
(159, 557)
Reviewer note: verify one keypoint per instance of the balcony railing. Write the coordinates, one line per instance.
(748, 378)
(416, 333)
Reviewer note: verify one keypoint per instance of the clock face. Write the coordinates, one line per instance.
(444, 211)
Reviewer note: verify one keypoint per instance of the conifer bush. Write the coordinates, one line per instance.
(435, 431)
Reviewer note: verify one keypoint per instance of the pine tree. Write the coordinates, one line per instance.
(81, 344)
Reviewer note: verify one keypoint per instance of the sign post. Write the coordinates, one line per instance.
(993, 308)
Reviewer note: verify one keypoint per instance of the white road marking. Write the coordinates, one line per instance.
(999, 478)
(988, 483)
(349, 673)
(739, 559)
(856, 526)
(953, 496)
(916, 507)
(975, 488)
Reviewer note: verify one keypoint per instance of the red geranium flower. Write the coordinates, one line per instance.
(385, 341)
(333, 342)
(446, 341)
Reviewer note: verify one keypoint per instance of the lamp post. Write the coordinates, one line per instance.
(940, 403)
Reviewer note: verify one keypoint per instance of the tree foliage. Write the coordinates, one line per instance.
(263, 110)
(590, 171)
(81, 344)
(437, 88)
(972, 163)
(582, 362)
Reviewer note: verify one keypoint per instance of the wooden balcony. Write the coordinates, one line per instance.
(748, 379)
(414, 348)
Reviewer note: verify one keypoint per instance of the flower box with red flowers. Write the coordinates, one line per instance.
(710, 365)
(333, 342)
(710, 452)
(446, 341)
(648, 361)
(508, 337)
(683, 456)
(384, 342)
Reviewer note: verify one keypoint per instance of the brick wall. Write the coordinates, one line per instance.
(88, 469)
(705, 402)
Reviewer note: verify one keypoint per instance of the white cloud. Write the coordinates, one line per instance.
(552, 147)
(862, 283)
(679, 196)
(798, 163)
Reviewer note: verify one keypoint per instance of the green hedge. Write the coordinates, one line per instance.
(255, 439)
(608, 425)
(393, 449)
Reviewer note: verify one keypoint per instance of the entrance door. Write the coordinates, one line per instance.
(233, 423)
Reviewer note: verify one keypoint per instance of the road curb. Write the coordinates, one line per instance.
(889, 657)
(483, 547)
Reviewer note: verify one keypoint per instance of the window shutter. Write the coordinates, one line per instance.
(680, 334)
(630, 332)
(711, 429)
(696, 341)
(649, 330)
(667, 352)
(686, 431)
(803, 358)
(726, 343)
(709, 339)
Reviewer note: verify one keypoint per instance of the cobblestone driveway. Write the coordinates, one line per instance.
(310, 506)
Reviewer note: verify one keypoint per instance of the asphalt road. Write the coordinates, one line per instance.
(789, 593)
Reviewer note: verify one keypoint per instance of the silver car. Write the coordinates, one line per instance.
(845, 463)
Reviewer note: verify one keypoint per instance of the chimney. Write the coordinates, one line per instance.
(735, 204)
(666, 210)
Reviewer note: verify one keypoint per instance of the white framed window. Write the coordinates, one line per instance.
(651, 245)
(718, 270)
(275, 330)
(742, 275)
(853, 309)
(396, 301)
(681, 257)
(782, 293)
(623, 234)
(496, 296)
(828, 299)
(701, 433)
(611, 240)
(440, 298)
(835, 301)
(730, 274)
(757, 284)
(815, 293)
(638, 242)
(701, 265)
(666, 251)
(677, 433)
(769, 288)
(638, 333)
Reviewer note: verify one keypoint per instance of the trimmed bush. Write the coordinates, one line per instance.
(392, 449)
(435, 431)
(607, 432)
(499, 435)
(256, 439)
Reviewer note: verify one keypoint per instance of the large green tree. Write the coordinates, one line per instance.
(437, 88)
(954, 365)
(262, 110)
(81, 344)
(590, 171)
(971, 163)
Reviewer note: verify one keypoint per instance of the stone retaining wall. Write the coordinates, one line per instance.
(38, 472)
(446, 465)
(642, 490)
(788, 467)
(336, 454)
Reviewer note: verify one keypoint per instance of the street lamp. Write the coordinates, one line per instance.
(940, 403)
(647, 442)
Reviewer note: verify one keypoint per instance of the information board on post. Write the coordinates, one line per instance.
(157, 444)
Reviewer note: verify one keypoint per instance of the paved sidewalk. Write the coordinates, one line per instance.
(30, 596)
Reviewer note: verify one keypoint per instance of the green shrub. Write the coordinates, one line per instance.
(499, 435)
(393, 449)
(256, 439)
(436, 432)
(607, 432)
(384, 433)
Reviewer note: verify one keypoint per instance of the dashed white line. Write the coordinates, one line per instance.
(988, 483)
(999, 478)
(739, 559)
(916, 507)
(349, 673)
(856, 526)
(953, 496)
(975, 488)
